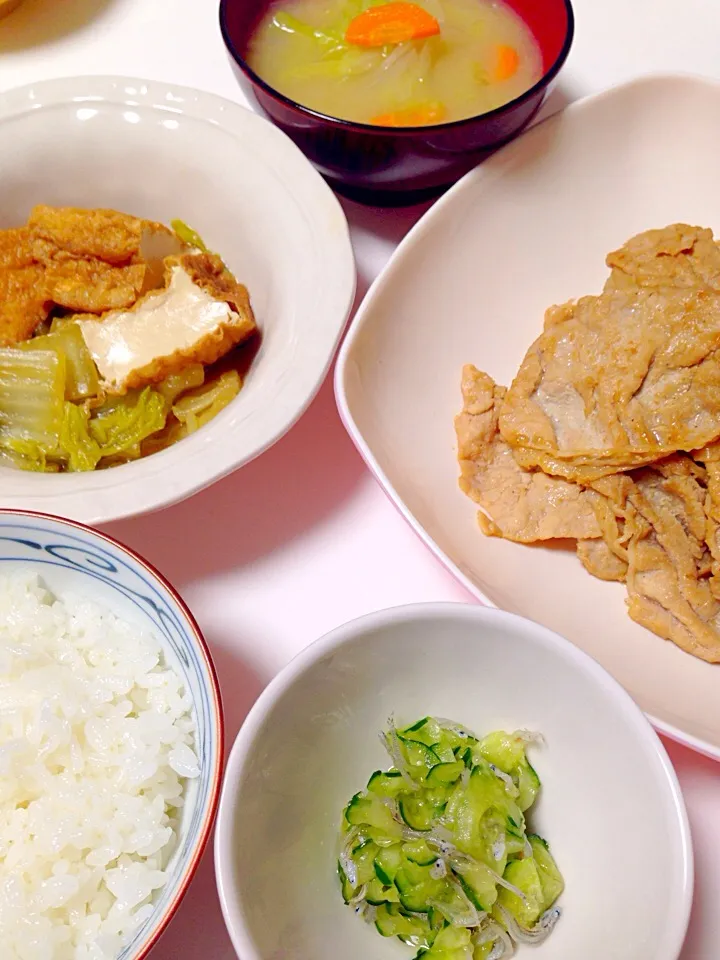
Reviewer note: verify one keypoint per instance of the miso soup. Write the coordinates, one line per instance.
(396, 64)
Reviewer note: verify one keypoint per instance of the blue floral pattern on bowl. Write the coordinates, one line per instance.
(66, 555)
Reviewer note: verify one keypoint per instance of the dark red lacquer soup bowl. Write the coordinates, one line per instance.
(383, 165)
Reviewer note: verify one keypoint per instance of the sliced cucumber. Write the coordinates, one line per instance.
(364, 861)
(467, 804)
(551, 879)
(524, 875)
(420, 758)
(444, 751)
(414, 895)
(479, 883)
(380, 837)
(483, 950)
(467, 808)
(414, 931)
(465, 754)
(491, 843)
(371, 811)
(377, 893)
(528, 785)
(515, 833)
(417, 812)
(427, 731)
(348, 890)
(362, 841)
(504, 750)
(438, 795)
(451, 943)
(417, 851)
(387, 863)
(454, 905)
(413, 874)
(416, 726)
(444, 774)
(456, 736)
(388, 784)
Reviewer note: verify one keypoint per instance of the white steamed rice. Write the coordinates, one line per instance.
(96, 740)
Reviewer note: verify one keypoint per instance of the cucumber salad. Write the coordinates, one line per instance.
(436, 851)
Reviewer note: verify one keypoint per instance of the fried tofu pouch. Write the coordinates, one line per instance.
(197, 317)
(139, 291)
(84, 260)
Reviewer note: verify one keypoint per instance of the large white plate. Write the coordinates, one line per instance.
(470, 283)
(163, 152)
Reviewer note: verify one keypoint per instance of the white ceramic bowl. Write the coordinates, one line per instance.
(166, 152)
(610, 805)
(69, 556)
(470, 284)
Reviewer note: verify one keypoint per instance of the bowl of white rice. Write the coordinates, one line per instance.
(111, 745)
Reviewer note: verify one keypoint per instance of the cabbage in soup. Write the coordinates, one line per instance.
(397, 63)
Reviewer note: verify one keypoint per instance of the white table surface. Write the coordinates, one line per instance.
(303, 539)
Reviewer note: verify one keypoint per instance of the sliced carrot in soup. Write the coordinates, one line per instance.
(391, 23)
(508, 60)
(420, 116)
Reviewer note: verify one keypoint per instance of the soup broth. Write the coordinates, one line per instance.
(396, 64)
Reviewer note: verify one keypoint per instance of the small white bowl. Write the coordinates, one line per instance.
(610, 805)
(166, 152)
(70, 557)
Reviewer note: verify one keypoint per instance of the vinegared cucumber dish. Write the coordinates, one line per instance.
(437, 851)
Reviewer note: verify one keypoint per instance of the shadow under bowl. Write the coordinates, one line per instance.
(384, 166)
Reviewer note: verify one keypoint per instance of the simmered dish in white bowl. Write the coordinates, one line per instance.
(112, 334)
(100, 168)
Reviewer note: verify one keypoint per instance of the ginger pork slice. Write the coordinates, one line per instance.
(200, 314)
(628, 377)
(520, 505)
(599, 559)
(670, 590)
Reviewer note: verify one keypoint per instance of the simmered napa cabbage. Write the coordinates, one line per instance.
(82, 451)
(121, 424)
(32, 394)
(198, 407)
(81, 376)
(178, 383)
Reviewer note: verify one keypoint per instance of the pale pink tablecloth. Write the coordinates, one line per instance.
(303, 539)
